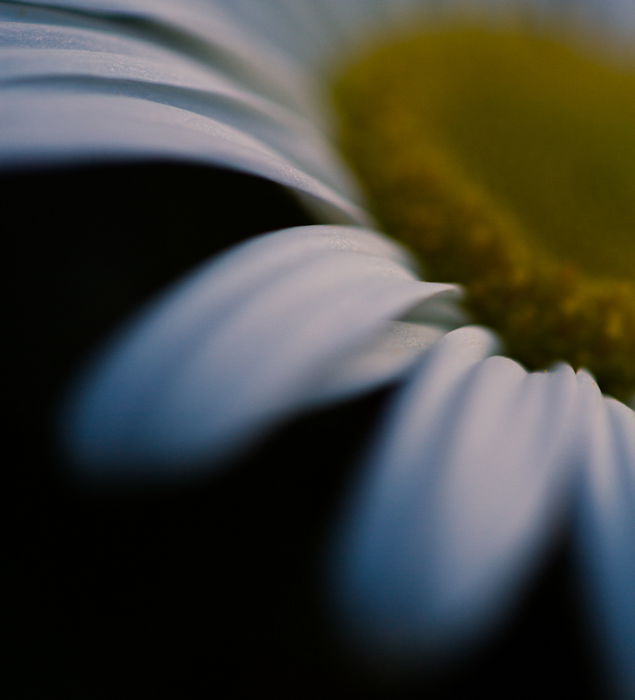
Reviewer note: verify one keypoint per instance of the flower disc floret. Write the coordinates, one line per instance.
(505, 159)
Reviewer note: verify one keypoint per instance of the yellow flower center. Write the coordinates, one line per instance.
(505, 160)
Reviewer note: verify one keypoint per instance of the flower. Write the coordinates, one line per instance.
(310, 315)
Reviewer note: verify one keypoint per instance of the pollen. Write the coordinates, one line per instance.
(505, 160)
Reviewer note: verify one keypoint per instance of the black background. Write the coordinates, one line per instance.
(210, 588)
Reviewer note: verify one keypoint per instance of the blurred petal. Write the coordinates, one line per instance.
(395, 350)
(460, 496)
(383, 359)
(238, 345)
(607, 525)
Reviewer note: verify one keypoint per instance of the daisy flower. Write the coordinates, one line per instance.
(501, 430)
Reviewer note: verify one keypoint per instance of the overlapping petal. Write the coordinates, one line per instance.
(201, 29)
(243, 341)
(606, 525)
(460, 495)
(76, 93)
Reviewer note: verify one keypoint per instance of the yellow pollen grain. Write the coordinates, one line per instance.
(505, 160)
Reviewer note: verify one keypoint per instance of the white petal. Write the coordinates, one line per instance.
(238, 345)
(384, 358)
(164, 80)
(607, 526)
(75, 94)
(88, 127)
(199, 28)
(395, 350)
(459, 497)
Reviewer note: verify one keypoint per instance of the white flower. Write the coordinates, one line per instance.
(476, 461)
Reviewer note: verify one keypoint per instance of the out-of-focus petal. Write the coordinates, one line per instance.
(389, 355)
(395, 350)
(607, 526)
(240, 343)
(457, 501)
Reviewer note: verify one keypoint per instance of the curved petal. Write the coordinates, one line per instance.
(606, 519)
(385, 358)
(458, 499)
(116, 128)
(395, 350)
(236, 346)
(201, 29)
(205, 93)
(78, 94)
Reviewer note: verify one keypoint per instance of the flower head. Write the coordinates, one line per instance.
(478, 460)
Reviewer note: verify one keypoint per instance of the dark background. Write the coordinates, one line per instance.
(209, 588)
